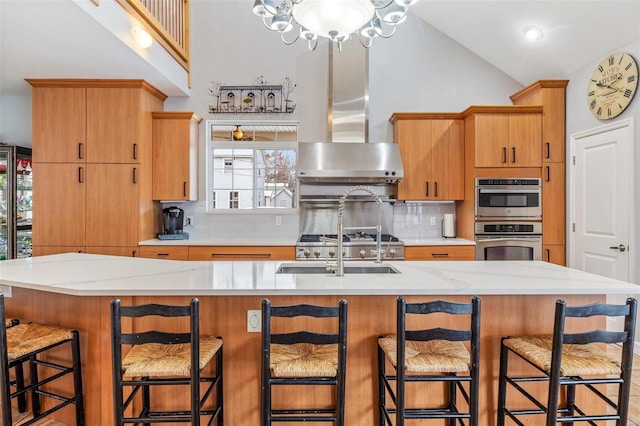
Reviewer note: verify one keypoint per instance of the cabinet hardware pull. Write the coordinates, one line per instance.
(135, 175)
(163, 254)
(513, 151)
(80, 154)
(440, 254)
(184, 189)
(135, 151)
(133, 253)
(548, 150)
(436, 189)
(548, 174)
(504, 154)
(548, 255)
(80, 174)
(427, 182)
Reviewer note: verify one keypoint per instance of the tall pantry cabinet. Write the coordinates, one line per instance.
(92, 150)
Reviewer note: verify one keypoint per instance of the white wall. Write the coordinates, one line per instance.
(579, 118)
(15, 120)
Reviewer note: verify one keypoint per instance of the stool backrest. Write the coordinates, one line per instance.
(4, 359)
(470, 334)
(305, 336)
(626, 336)
(118, 338)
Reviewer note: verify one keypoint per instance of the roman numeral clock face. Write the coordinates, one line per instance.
(612, 86)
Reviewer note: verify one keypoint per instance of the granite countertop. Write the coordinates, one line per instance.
(276, 240)
(98, 275)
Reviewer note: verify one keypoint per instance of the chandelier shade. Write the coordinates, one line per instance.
(336, 20)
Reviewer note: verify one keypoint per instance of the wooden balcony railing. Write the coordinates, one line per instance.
(168, 21)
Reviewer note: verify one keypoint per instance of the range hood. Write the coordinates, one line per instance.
(349, 163)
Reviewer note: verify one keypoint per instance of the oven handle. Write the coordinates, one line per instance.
(509, 191)
(496, 240)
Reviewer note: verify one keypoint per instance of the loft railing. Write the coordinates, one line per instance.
(169, 24)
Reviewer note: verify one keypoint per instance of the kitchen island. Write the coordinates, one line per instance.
(74, 290)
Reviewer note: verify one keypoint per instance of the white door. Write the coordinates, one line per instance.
(601, 196)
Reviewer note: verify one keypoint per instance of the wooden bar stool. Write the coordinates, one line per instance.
(430, 355)
(161, 358)
(314, 358)
(568, 360)
(26, 343)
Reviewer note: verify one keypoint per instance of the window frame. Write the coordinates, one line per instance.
(253, 145)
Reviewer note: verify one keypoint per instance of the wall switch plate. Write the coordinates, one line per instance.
(189, 220)
(254, 321)
(432, 220)
(278, 220)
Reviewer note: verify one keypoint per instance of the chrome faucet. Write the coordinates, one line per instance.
(338, 240)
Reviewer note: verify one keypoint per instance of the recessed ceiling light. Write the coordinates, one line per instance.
(533, 33)
(141, 37)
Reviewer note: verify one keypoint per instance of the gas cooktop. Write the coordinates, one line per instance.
(346, 238)
(358, 246)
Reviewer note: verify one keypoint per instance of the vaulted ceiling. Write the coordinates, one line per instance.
(55, 38)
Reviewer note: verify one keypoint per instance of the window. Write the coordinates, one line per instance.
(254, 171)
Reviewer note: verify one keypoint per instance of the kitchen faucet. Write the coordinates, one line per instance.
(338, 240)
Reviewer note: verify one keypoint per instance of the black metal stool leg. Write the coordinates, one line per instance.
(452, 401)
(77, 379)
(382, 393)
(22, 399)
(502, 383)
(35, 397)
(220, 387)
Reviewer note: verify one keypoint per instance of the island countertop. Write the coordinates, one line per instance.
(80, 274)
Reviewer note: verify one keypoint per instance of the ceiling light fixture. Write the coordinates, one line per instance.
(533, 33)
(333, 19)
(142, 38)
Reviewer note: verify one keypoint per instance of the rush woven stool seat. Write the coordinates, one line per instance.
(315, 358)
(567, 362)
(430, 355)
(166, 357)
(29, 343)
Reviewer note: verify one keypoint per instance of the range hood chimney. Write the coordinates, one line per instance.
(348, 115)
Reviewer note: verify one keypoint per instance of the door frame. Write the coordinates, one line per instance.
(574, 139)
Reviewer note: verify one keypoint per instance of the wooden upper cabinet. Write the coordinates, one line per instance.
(432, 150)
(506, 136)
(59, 124)
(113, 125)
(175, 156)
(551, 95)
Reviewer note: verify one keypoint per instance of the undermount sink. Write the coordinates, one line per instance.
(294, 268)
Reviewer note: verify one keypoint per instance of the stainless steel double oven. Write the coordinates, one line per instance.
(508, 215)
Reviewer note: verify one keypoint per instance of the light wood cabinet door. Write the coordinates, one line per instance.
(525, 139)
(508, 140)
(447, 159)
(491, 142)
(439, 253)
(59, 125)
(242, 253)
(175, 156)
(112, 204)
(113, 125)
(554, 254)
(432, 153)
(553, 204)
(59, 205)
(165, 252)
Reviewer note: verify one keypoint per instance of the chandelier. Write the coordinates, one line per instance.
(336, 20)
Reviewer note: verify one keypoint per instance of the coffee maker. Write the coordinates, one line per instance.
(172, 224)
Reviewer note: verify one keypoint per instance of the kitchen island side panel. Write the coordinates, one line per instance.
(226, 316)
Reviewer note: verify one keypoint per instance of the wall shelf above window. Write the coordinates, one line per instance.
(256, 99)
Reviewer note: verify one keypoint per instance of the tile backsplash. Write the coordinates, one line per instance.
(410, 220)
(420, 220)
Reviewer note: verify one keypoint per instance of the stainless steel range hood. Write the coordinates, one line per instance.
(349, 163)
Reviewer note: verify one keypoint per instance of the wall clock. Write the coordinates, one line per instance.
(612, 86)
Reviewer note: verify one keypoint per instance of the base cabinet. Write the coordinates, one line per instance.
(440, 253)
(242, 253)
